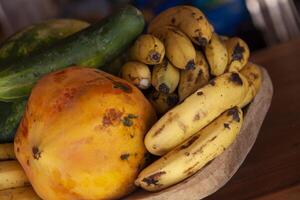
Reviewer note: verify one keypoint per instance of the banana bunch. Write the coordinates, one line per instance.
(199, 90)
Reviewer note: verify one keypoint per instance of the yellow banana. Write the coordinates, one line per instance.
(217, 56)
(137, 73)
(195, 112)
(179, 49)
(189, 157)
(188, 19)
(148, 49)
(165, 77)
(7, 151)
(193, 78)
(238, 53)
(253, 74)
(12, 175)
(22, 193)
(163, 102)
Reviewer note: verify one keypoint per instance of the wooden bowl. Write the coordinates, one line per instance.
(220, 170)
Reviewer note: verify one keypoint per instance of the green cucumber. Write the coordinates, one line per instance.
(22, 44)
(92, 47)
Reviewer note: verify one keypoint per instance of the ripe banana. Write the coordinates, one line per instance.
(165, 77)
(148, 49)
(189, 157)
(217, 56)
(179, 49)
(7, 151)
(253, 74)
(12, 175)
(137, 73)
(22, 193)
(163, 102)
(195, 112)
(188, 19)
(194, 78)
(238, 53)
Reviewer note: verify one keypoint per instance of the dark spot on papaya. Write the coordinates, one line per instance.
(201, 41)
(172, 100)
(237, 53)
(200, 93)
(226, 125)
(190, 65)
(154, 178)
(111, 117)
(27, 162)
(191, 168)
(132, 116)
(159, 130)
(125, 156)
(93, 80)
(135, 154)
(127, 121)
(163, 88)
(154, 56)
(212, 82)
(234, 112)
(36, 153)
(173, 20)
(236, 79)
(131, 135)
(122, 86)
(24, 128)
(189, 142)
(18, 149)
(196, 117)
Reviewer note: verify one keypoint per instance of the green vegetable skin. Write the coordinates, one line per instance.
(22, 44)
(91, 47)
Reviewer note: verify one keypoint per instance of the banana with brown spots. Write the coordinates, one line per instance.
(163, 102)
(148, 49)
(194, 154)
(195, 112)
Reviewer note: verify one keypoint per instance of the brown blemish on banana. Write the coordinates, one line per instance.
(111, 117)
(189, 142)
(190, 65)
(254, 75)
(234, 112)
(237, 53)
(159, 130)
(173, 20)
(196, 117)
(124, 156)
(190, 169)
(235, 78)
(182, 126)
(154, 178)
(226, 125)
(200, 93)
(187, 153)
(163, 88)
(36, 153)
(202, 147)
(212, 82)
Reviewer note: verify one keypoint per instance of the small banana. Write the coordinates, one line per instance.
(193, 78)
(165, 77)
(163, 102)
(217, 56)
(7, 151)
(238, 53)
(179, 49)
(253, 74)
(188, 19)
(137, 73)
(12, 175)
(22, 193)
(148, 49)
(195, 112)
(192, 155)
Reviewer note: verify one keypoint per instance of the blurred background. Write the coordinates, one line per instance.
(261, 23)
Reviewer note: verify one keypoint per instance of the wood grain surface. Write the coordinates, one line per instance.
(273, 165)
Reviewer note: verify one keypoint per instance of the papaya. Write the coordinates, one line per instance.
(82, 133)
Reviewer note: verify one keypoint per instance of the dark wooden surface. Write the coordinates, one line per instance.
(272, 169)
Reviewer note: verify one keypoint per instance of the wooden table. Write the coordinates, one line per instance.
(272, 169)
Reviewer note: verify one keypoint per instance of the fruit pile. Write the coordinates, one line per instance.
(83, 133)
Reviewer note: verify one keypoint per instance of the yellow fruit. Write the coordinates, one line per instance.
(253, 74)
(195, 112)
(137, 73)
(188, 19)
(148, 49)
(193, 78)
(179, 49)
(82, 134)
(217, 56)
(189, 157)
(163, 102)
(22, 193)
(165, 77)
(238, 54)
(7, 151)
(11, 175)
